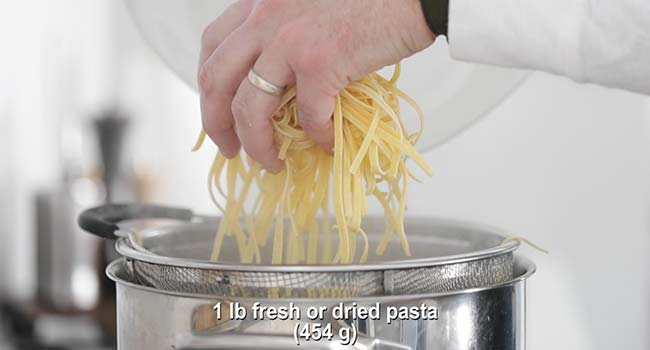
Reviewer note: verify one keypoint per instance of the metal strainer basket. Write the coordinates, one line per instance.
(172, 255)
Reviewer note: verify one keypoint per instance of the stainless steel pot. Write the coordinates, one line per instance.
(166, 288)
(487, 318)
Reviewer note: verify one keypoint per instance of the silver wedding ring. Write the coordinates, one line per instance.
(264, 85)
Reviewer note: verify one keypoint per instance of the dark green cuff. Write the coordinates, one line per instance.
(436, 12)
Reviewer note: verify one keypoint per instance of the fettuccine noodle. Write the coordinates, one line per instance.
(371, 146)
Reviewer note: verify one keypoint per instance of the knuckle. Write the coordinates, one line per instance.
(288, 35)
(239, 106)
(287, 40)
(204, 79)
(217, 130)
(309, 120)
(311, 61)
(240, 4)
(217, 126)
(210, 79)
(266, 9)
(206, 35)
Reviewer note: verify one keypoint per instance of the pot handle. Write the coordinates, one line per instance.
(102, 221)
(247, 341)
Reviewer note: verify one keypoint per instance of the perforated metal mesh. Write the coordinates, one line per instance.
(431, 238)
(258, 284)
(448, 278)
(437, 279)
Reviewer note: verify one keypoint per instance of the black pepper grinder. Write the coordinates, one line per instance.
(111, 130)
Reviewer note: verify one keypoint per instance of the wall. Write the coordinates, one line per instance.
(566, 166)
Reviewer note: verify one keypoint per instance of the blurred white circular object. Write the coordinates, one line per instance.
(452, 94)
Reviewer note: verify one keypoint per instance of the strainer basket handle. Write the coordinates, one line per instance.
(102, 221)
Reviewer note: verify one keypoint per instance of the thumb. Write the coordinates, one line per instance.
(315, 108)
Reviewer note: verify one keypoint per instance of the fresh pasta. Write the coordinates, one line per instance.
(291, 210)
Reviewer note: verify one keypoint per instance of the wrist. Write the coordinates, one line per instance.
(419, 34)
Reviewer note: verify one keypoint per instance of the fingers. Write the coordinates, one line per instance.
(217, 31)
(234, 112)
(253, 108)
(315, 108)
(217, 121)
(219, 79)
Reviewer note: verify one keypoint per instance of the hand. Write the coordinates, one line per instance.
(321, 45)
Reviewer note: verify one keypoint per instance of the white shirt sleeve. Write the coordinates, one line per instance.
(605, 42)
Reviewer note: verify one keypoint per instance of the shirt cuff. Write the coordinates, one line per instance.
(436, 12)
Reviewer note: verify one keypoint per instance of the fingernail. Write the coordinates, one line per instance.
(327, 145)
(275, 167)
(229, 153)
